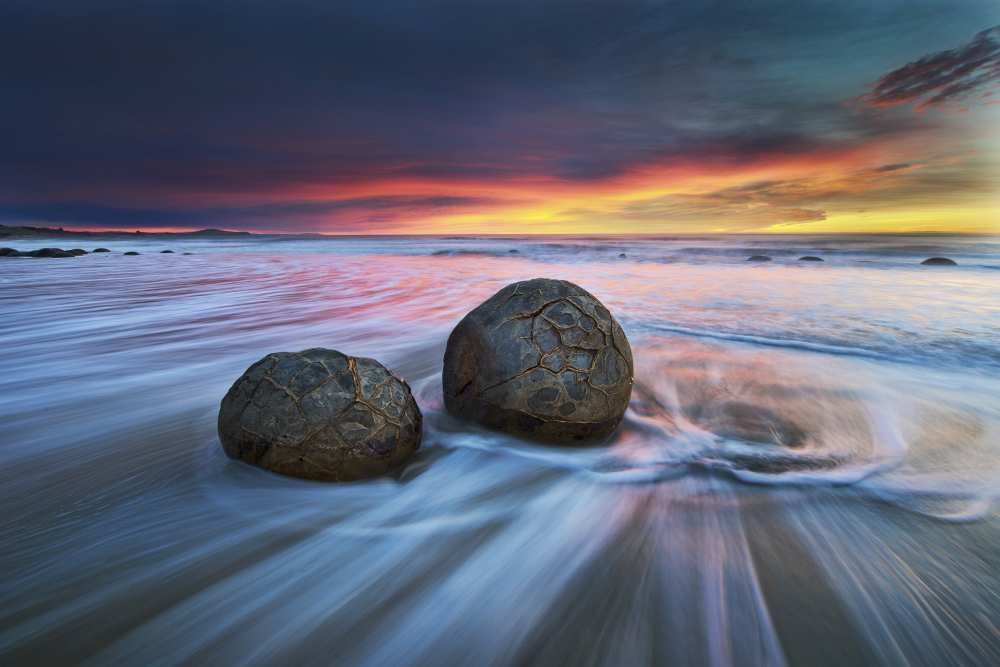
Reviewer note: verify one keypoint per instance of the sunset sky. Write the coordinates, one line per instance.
(501, 117)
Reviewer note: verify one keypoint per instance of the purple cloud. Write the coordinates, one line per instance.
(942, 77)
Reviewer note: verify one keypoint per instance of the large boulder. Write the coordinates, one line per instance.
(939, 261)
(320, 414)
(542, 359)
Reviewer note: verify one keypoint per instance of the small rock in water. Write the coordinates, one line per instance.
(187, 253)
(320, 414)
(543, 359)
(939, 261)
(758, 258)
(77, 251)
(101, 250)
(622, 255)
(514, 251)
(166, 252)
(130, 252)
(810, 258)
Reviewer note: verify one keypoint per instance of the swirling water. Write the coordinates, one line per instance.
(127, 537)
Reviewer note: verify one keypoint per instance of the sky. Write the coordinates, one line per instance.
(441, 117)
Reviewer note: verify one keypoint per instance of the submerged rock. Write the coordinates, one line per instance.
(543, 359)
(320, 414)
(758, 258)
(166, 252)
(101, 250)
(130, 252)
(810, 258)
(939, 261)
(622, 255)
(187, 253)
(751, 423)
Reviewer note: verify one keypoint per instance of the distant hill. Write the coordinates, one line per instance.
(30, 232)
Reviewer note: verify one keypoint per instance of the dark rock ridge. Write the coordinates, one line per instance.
(41, 252)
(939, 261)
(543, 359)
(758, 258)
(320, 414)
(810, 258)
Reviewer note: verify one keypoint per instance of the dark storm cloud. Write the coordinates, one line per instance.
(943, 77)
(176, 109)
(352, 215)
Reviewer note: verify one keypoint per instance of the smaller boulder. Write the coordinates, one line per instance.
(130, 252)
(101, 250)
(622, 255)
(9, 252)
(77, 252)
(939, 261)
(187, 253)
(320, 414)
(758, 258)
(166, 252)
(810, 258)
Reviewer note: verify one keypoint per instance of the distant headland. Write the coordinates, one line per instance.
(47, 232)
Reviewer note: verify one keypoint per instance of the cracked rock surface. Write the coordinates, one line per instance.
(320, 414)
(542, 359)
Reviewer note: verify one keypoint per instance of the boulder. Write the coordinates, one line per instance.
(758, 258)
(320, 414)
(541, 359)
(130, 252)
(622, 255)
(166, 252)
(76, 252)
(101, 250)
(9, 252)
(939, 261)
(810, 258)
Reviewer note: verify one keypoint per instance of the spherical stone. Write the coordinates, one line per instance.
(320, 414)
(543, 359)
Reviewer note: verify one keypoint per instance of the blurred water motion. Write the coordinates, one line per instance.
(806, 475)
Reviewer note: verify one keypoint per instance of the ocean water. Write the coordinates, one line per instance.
(127, 537)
